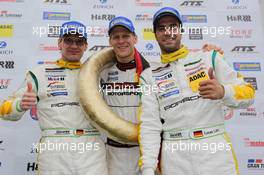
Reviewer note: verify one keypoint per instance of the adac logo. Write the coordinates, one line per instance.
(148, 34)
(149, 46)
(3, 44)
(33, 113)
(6, 30)
(235, 2)
(256, 164)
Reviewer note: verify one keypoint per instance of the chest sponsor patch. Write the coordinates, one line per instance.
(195, 79)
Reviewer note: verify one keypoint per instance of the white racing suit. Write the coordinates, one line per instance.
(194, 138)
(120, 90)
(69, 144)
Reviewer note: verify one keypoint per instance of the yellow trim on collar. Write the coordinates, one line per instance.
(174, 56)
(68, 65)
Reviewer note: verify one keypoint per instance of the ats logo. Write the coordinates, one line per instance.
(244, 49)
(255, 164)
(4, 83)
(98, 48)
(253, 143)
(6, 30)
(192, 3)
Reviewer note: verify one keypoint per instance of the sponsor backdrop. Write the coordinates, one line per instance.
(29, 33)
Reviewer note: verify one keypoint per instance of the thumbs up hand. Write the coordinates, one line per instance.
(29, 98)
(211, 89)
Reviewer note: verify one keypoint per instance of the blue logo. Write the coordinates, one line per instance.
(3, 44)
(57, 16)
(235, 2)
(103, 1)
(149, 46)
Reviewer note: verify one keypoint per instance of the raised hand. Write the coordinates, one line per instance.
(211, 89)
(208, 47)
(29, 98)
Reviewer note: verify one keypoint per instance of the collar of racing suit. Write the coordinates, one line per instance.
(174, 56)
(137, 63)
(126, 66)
(67, 64)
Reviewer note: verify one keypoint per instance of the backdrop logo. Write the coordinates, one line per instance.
(4, 83)
(149, 46)
(148, 34)
(252, 81)
(256, 164)
(7, 64)
(3, 44)
(6, 30)
(6, 14)
(192, 3)
(32, 166)
(241, 33)
(248, 112)
(247, 66)
(195, 34)
(235, 2)
(103, 5)
(149, 51)
(239, 18)
(44, 47)
(147, 3)
(98, 48)
(102, 17)
(194, 18)
(61, 2)
(96, 31)
(56, 16)
(1, 148)
(11, 0)
(244, 49)
(54, 31)
(253, 143)
(143, 17)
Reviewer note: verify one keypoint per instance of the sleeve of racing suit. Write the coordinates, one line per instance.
(10, 108)
(150, 125)
(238, 94)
